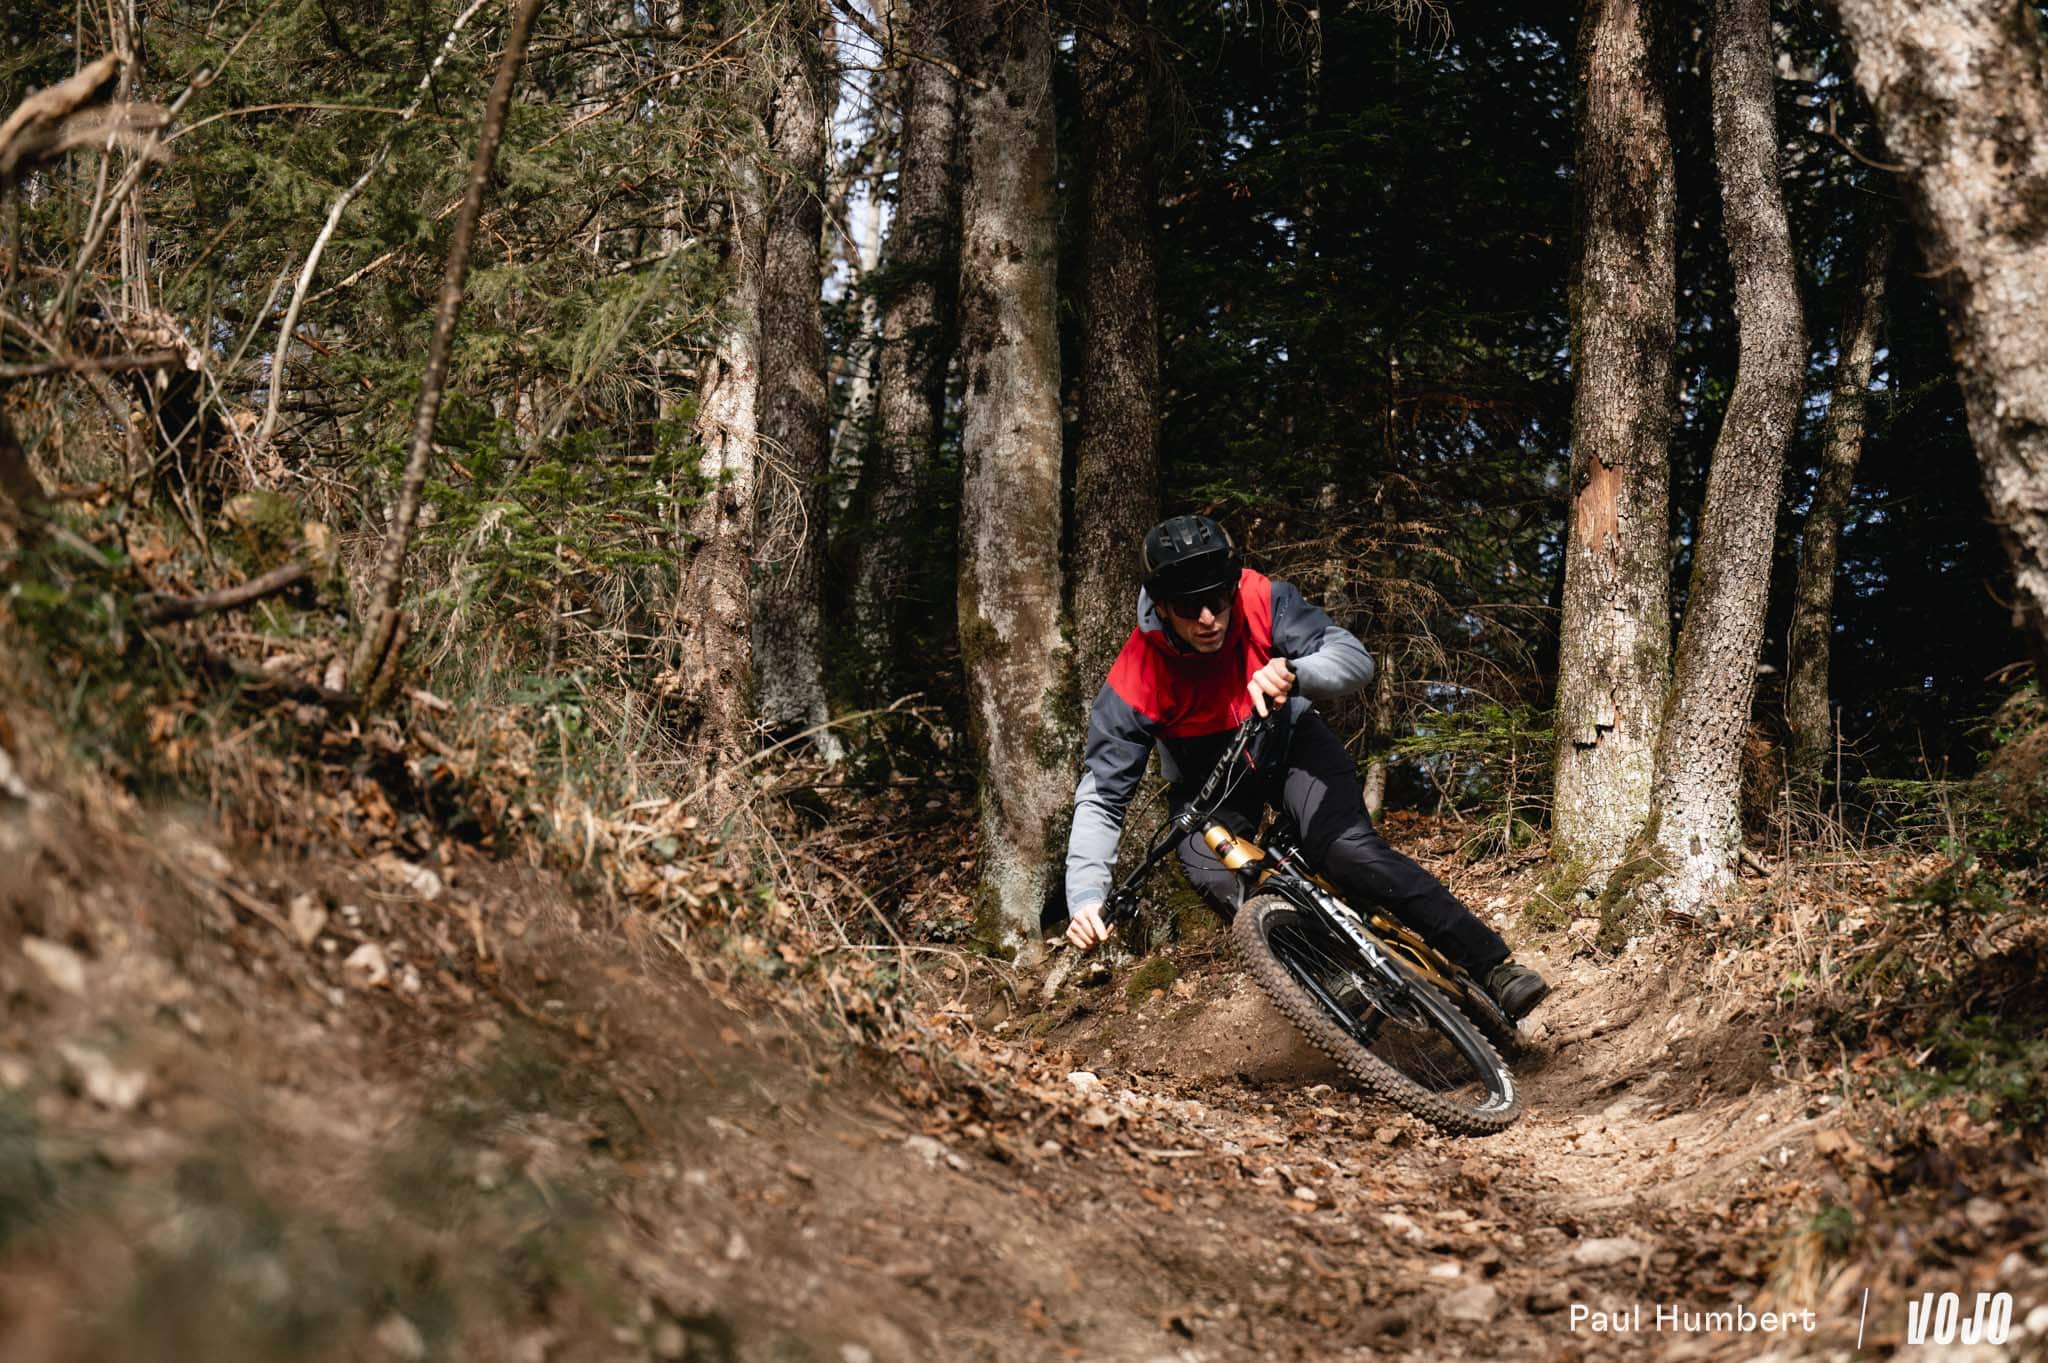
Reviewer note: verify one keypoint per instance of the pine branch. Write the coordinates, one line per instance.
(289, 331)
(381, 620)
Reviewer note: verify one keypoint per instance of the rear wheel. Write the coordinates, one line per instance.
(1409, 1045)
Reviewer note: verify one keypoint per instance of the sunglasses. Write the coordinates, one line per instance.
(1215, 601)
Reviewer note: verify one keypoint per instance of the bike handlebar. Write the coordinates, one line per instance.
(1123, 899)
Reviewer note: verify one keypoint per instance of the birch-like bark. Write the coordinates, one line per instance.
(380, 617)
(1960, 93)
(1614, 633)
(795, 423)
(1022, 709)
(1695, 829)
(1116, 465)
(918, 326)
(1809, 636)
(1382, 733)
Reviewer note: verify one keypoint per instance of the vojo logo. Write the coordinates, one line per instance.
(1939, 1319)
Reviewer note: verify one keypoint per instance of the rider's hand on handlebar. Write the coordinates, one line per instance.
(1086, 927)
(1273, 681)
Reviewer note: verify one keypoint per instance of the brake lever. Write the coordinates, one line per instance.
(1119, 907)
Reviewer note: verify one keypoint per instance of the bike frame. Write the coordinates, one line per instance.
(1280, 868)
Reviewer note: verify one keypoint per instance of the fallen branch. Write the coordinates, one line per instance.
(101, 364)
(161, 608)
(255, 678)
(73, 114)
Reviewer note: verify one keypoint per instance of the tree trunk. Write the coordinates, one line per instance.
(714, 604)
(1022, 708)
(1382, 734)
(1116, 479)
(917, 336)
(1695, 819)
(1808, 637)
(1614, 633)
(795, 420)
(1959, 93)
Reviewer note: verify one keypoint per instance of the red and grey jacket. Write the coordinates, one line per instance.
(1161, 691)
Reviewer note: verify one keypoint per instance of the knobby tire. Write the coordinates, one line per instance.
(1493, 1024)
(1332, 1033)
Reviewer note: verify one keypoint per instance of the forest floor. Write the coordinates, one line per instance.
(297, 1106)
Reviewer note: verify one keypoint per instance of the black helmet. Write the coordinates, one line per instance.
(1189, 556)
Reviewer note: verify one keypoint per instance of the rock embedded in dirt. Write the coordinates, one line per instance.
(1548, 1299)
(1607, 1252)
(101, 1080)
(131, 1149)
(491, 1168)
(1402, 1225)
(1478, 1304)
(421, 881)
(932, 1151)
(1085, 1081)
(1983, 1213)
(400, 1338)
(308, 919)
(63, 967)
(366, 967)
(669, 1342)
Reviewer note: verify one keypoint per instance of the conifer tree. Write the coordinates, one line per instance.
(1022, 710)
(1614, 634)
(1695, 831)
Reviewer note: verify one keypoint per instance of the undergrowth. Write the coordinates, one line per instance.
(508, 739)
(1943, 976)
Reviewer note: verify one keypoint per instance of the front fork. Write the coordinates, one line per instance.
(1276, 862)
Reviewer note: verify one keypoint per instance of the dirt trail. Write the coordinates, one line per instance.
(223, 1135)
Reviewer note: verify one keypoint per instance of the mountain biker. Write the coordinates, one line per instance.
(1216, 640)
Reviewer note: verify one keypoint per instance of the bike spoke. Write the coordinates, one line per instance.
(1393, 1029)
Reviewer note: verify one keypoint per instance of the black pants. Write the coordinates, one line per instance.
(1318, 786)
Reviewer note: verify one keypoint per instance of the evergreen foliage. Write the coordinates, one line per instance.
(1365, 230)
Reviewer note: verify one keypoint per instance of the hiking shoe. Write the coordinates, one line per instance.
(1516, 988)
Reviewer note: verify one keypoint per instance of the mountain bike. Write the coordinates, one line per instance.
(1405, 1021)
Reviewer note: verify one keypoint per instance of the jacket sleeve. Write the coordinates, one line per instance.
(1120, 738)
(1327, 659)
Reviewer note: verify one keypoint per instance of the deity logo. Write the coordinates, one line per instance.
(1941, 1319)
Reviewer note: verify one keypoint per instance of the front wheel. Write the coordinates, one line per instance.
(1409, 1045)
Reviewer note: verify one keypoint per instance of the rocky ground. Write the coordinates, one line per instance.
(272, 1107)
